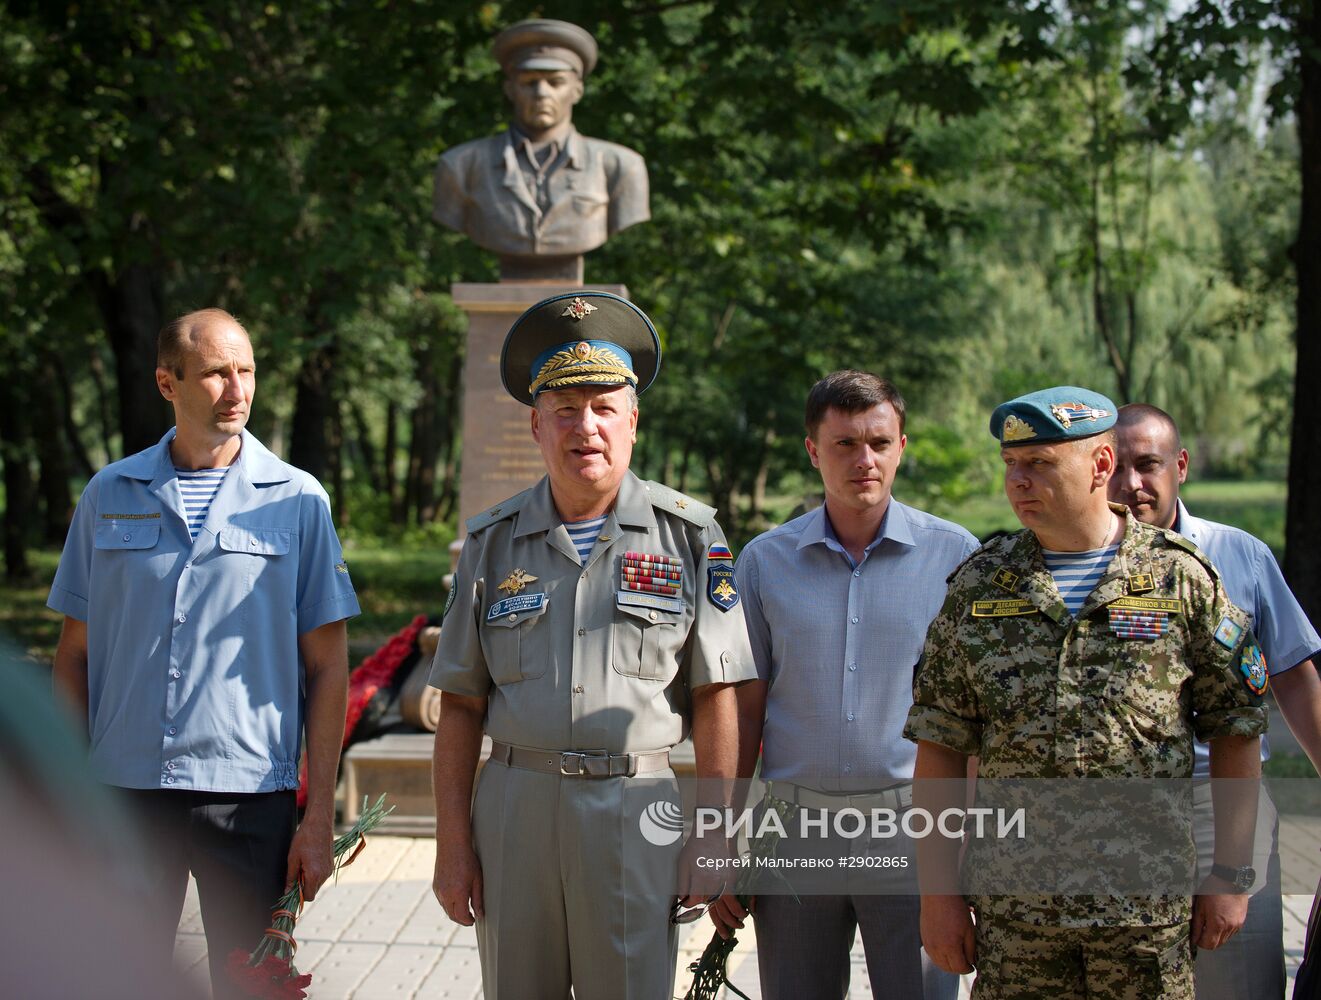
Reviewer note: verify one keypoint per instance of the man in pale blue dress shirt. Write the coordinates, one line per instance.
(198, 659)
(1151, 464)
(837, 604)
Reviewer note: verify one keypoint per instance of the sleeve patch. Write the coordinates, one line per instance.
(1228, 632)
(1252, 665)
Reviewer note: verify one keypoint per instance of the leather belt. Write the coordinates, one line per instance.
(896, 797)
(580, 763)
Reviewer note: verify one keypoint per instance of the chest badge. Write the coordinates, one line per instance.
(1141, 583)
(516, 581)
(1006, 580)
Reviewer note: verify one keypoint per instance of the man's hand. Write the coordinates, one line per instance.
(947, 933)
(728, 916)
(1217, 917)
(458, 883)
(703, 869)
(311, 857)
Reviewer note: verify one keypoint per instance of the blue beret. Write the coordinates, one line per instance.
(579, 338)
(1064, 413)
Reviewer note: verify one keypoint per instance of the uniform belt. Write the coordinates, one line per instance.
(580, 763)
(896, 797)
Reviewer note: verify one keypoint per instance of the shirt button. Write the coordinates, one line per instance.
(128, 538)
(169, 766)
(513, 617)
(854, 619)
(582, 631)
(850, 716)
(170, 780)
(857, 572)
(848, 767)
(653, 616)
(853, 666)
(578, 689)
(175, 674)
(174, 730)
(252, 542)
(184, 618)
(188, 565)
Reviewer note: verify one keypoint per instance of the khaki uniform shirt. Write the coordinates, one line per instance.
(572, 662)
(1008, 676)
(594, 190)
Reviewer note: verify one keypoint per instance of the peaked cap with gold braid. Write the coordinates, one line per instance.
(579, 338)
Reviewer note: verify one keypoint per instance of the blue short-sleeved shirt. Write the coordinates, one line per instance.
(1254, 582)
(194, 675)
(838, 642)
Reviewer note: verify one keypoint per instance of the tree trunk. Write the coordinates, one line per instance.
(1302, 534)
(314, 405)
(78, 452)
(52, 456)
(389, 481)
(14, 452)
(130, 307)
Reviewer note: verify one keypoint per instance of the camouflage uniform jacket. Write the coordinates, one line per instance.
(1009, 676)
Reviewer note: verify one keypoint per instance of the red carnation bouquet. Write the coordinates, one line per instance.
(268, 972)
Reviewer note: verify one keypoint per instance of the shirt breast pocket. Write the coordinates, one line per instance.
(112, 535)
(254, 541)
(646, 641)
(512, 651)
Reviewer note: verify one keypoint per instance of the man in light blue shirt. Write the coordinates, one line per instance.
(199, 653)
(1151, 464)
(837, 604)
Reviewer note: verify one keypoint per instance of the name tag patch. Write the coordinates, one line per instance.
(516, 605)
(634, 600)
(130, 517)
(1003, 608)
(1128, 624)
(1170, 604)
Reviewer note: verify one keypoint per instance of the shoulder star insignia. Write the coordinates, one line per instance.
(516, 581)
(681, 503)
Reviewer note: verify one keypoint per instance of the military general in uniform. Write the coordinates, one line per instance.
(541, 189)
(594, 622)
(1088, 646)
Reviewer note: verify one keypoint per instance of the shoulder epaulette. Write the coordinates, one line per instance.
(988, 549)
(674, 502)
(502, 510)
(1177, 541)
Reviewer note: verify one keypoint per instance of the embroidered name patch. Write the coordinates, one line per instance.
(516, 605)
(625, 598)
(130, 517)
(1002, 609)
(1170, 604)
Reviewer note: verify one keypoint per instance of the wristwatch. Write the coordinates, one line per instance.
(1240, 878)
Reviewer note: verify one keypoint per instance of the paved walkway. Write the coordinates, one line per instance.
(379, 933)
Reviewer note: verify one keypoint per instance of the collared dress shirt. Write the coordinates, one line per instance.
(838, 642)
(590, 190)
(194, 676)
(1253, 581)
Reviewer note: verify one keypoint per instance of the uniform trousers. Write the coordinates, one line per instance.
(1017, 961)
(236, 846)
(575, 896)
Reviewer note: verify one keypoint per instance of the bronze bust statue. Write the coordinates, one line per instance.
(540, 195)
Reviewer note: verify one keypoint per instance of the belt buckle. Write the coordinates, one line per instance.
(583, 759)
(564, 763)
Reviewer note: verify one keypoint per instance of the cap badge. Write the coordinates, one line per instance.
(1066, 413)
(583, 350)
(516, 581)
(578, 310)
(1016, 429)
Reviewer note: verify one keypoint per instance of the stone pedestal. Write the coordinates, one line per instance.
(499, 456)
